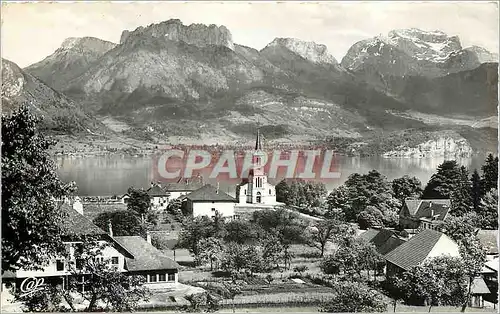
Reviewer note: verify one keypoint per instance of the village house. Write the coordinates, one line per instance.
(423, 214)
(256, 189)
(131, 255)
(208, 201)
(159, 197)
(490, 276)
(426, 244)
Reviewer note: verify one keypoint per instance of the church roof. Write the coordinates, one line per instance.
(258, 141)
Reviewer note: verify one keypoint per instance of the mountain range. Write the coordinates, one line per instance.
(170, 80)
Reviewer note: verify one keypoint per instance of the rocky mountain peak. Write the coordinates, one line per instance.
(317, 53)
(195, 34)
(88, 44)
(433, 46)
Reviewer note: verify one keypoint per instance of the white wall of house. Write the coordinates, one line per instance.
(51, 268)
(210, 208)
(159, 202)
(444, 246)
(161, 278)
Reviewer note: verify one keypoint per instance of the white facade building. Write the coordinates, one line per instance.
(209, 200)
(256, 189)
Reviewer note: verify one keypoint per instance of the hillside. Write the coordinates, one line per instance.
(60, 114)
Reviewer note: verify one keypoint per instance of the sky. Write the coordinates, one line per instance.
(32, 31)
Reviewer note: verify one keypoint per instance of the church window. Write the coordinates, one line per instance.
(269, 191)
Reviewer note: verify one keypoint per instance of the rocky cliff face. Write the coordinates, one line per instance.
(440, 147)
(308, 50)
(195, 34)
(69, 61)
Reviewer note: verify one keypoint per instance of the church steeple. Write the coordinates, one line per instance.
(258, 143)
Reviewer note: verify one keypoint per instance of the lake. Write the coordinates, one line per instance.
(114, 174)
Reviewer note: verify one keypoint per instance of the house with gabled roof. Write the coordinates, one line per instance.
(384, 240)
(208, 201)
(423, 214)
(426, 244)
(135, 256)
(159, 197)
(148, 261)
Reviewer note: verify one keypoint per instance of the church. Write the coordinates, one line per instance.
(256, 189)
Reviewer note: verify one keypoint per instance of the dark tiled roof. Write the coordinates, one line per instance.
(369, 234)
(391, 244)
(156, 190)
(489, 240)
(146, 256)
(415, 250)
(182, 187)
(422, 208)
(76, 224)
(209, 193)
(384, 240)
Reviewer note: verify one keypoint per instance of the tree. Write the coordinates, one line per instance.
(476, 190)
(488, 210)
(406, 187)
(123, 223)
(474, 257)
(193, 231)
(240, 231)
(460, 228)
(463, 231)
(352, 256)
(300, 193)
(352, 297)
(31, 217)
(321, 233)
(370, 217)
(139, 202)
(282, 224)
(461, 196)
(443, 182)
(363, 190)
(237, 257)
(439, 280)
(211, 250)
(489, 179)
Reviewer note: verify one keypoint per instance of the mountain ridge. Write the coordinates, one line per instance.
(171, 77)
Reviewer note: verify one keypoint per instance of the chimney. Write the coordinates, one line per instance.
(148, 237)
(110, 228)
(432, 209)
(77, 205)
(217, 191)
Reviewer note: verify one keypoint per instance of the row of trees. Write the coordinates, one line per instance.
(262, 243)
(370, 199)
(468, 193)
